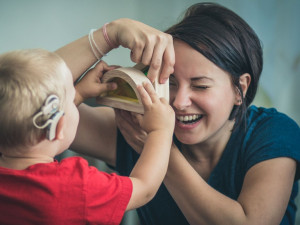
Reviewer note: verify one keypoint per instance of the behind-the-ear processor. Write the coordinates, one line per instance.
(50, 109)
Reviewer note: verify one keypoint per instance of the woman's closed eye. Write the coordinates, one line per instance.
(201, 82)
(200, 86)
(172, 81)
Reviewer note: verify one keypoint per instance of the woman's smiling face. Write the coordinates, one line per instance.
(202, 96)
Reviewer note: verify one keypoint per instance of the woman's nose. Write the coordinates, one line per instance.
(181, 99)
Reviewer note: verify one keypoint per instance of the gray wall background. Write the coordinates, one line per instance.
(52, 24)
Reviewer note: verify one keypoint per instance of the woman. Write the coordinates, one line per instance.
(236, 164)
(231, 163)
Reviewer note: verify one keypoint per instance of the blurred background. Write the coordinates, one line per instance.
(52, 24)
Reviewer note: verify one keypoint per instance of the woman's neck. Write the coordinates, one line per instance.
(205, 156)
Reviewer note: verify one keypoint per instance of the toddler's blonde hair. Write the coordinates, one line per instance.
(27, 78)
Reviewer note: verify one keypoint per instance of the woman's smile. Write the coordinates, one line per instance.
(188, 121)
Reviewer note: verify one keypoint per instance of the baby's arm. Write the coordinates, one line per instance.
(90, 85)
(158, 121)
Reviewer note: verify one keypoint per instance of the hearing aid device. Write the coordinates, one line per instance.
(51, 111)
(51, 128)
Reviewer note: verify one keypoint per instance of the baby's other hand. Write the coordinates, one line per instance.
(158, 114)
(90, 85)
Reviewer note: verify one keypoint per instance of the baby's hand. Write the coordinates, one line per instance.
(90, 85)
(158, 114)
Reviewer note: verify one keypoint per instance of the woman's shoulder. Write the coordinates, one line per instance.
(269, 117)
(269, 134)
(268, 124)
(255, 112)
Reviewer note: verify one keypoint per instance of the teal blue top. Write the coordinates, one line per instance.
(268, 134)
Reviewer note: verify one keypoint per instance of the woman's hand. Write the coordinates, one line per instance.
(129, 126)
(148, 46)
(90, 85)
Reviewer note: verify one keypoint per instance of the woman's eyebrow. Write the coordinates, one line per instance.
(201, 78)
(198, 78)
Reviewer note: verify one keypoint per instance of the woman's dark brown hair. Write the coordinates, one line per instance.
(228, 41)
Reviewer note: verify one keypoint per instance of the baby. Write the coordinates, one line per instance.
(38, 121)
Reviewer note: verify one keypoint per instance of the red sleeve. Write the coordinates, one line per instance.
(107, 196)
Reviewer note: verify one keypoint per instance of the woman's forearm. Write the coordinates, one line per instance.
(262, 201)
(196, 199)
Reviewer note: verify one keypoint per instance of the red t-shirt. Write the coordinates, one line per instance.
(68, 192)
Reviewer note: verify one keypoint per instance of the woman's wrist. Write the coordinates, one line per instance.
(109, 41)
(105, 38)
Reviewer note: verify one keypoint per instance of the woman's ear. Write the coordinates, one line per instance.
(59, 134)
(245, 81)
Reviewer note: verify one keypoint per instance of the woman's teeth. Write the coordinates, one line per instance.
(189, 119)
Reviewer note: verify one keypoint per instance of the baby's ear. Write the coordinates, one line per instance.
(59, 134)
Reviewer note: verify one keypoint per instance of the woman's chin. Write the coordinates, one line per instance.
(186, 139)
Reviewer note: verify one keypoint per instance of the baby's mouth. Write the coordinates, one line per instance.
(189, 119)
